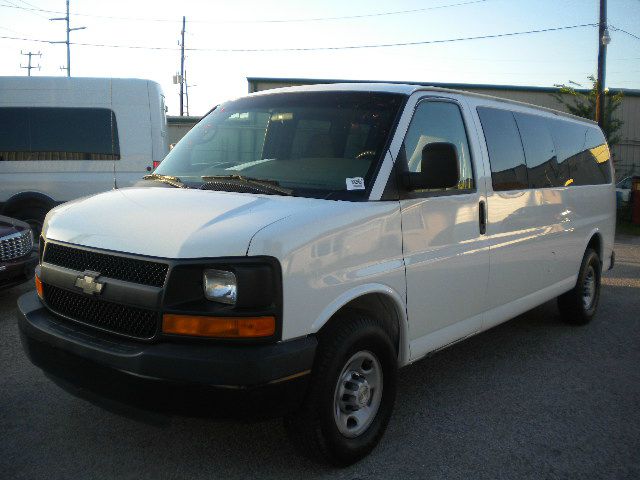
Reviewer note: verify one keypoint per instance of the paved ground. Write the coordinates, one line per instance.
(532, 398)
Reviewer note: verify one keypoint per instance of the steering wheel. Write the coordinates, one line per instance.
(366, 154)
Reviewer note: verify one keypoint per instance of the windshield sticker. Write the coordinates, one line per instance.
(355, 183)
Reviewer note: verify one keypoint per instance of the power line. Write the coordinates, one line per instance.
(308, 49)
(13, 5)
(9, 30)
(401, 44)
(26, 3)
(290, 20)
(624, 31)
(367, 15)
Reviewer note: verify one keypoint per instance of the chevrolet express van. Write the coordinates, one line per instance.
(64, 138)
(300, 245)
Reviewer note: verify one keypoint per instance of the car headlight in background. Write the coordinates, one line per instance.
(220, 286)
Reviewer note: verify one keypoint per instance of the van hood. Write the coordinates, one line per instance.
(170, 222)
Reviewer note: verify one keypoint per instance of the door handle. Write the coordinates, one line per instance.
(482, 214)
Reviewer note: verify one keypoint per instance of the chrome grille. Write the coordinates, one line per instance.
(16, 245)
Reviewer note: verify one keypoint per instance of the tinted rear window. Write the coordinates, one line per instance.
(583, 154)
(47, 133)
(508, 166)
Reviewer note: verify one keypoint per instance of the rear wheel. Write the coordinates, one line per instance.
(579, 305)
(351, 395)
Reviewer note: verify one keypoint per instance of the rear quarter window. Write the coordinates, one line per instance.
(583, 154)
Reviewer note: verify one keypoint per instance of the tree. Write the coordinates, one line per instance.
(583, 104)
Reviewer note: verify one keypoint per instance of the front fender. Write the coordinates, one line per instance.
(360, 291)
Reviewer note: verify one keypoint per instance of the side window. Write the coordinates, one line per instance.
(508, 166)
(14, 134)
(438, 121)
(539, 151)
(583, 154)
(48, 133)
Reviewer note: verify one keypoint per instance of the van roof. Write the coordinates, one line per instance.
(407, 89)
(57, 82)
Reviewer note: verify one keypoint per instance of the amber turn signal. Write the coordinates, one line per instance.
(39, 286)
(218, 327)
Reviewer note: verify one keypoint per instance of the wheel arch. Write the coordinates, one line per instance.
(596, 243)
(378, 301)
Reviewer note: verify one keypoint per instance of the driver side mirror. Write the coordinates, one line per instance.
(439, 167)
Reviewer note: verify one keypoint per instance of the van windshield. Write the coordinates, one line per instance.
(316, 144)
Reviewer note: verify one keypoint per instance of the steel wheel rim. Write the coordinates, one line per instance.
(358, 394)
(589, 288)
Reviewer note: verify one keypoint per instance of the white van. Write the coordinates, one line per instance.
(63, 138)
(305, 243)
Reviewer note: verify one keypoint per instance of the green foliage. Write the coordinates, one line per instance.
(583, 104)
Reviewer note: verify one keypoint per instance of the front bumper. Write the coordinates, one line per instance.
(223, 379)
(18, 271)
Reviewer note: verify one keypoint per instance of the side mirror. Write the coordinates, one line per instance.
(439, 168)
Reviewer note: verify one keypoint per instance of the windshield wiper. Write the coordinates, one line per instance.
(258, 184)
(168, 179)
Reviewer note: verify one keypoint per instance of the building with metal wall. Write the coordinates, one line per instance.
(626, 154)
(177, 127)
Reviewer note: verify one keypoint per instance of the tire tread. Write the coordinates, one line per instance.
(570, 303)
(304, 427)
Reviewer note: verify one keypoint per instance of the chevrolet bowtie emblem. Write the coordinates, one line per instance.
(88, 282)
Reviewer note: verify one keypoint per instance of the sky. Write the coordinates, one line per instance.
(216, 30)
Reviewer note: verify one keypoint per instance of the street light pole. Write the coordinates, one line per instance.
(603, 40)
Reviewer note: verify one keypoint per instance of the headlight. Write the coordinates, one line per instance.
(220, 286)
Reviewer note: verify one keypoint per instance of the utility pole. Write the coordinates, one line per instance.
(69, 30)
(603, 40)
(187, 85)
(186, 93)
(29, 66)
(182, 68)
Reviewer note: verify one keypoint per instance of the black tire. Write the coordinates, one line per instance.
(314, 429)
(578, 306)
(34, 216)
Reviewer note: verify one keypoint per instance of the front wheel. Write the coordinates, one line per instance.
(578, 306)
(351, 395)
